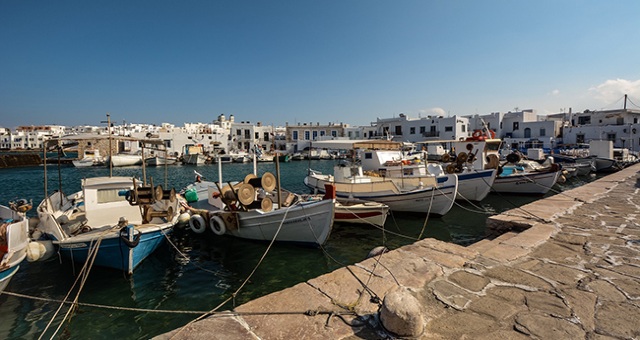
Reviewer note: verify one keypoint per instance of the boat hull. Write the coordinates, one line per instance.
(536, 183)
(428, 200)
(113, 251)
(6, 275)
(125, 160)
(194, 159)
(306, 223)
(361, 213)
(475, 185)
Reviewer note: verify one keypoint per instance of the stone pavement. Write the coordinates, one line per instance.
(566, 267)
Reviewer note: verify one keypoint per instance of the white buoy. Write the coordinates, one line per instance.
(39, 250)
(183, 219)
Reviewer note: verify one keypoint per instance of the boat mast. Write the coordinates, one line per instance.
(109, 132)
(625, 101)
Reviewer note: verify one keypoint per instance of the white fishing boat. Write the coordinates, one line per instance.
(161, 160)
(113, 221)
(373, 213)
(194, 155)
(475, 174)
(90, 157)
(253, 210)
(125, 159)
(429, 194)
(520, 176)
(14, 239)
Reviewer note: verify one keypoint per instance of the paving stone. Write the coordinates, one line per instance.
(618, 320)
(605, 291)
(556, 253)
(558, 273)
(451, 294)
(512, 295)
(517, 276)
(299, 298)
(583, 306)
(213, 327)
(547, 303)
(567, 238)
(629, 286)
(494, 308)
(454, 326)
(470, 281)
(547, 327)
(505, 253)
(502, 335)
(405, 268)
(632, 271)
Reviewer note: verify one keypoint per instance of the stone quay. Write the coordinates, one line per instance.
(564, 267)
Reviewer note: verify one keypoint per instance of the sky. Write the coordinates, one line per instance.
(327, 61)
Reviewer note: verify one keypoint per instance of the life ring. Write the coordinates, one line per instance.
(197, 224)
(217, 225)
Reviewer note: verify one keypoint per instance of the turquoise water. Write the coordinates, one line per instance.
(201, 272)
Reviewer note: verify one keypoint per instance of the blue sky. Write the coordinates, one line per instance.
(71, 62)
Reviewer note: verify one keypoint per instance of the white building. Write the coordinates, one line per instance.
(621, 126)
(405, 129)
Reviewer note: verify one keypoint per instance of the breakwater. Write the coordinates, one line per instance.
(14, 160)
(564, 267)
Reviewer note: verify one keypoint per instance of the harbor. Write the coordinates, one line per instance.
(191, 274)
(566, 272)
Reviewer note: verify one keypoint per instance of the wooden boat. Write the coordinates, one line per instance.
(14, 239)
(161, 160)
(125, 159)
(253, 210)
(527, 177)
(194, 155)
(361, 212)
(432, 195)
(90, 157)
(112, 220)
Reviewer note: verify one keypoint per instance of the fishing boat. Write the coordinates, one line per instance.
(161, 160)
(193, 155)
(125, 159)
(520, 176)
(254, 210)
(14, 239)
(475, 174)
(373, 213)
(429, 194)
(112, 222)
(90, 157)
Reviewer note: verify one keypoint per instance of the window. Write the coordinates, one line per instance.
(322, 133)
(580, 138)
(294, 135)
(584, 120)
(543, 132)
(257, 135)
(306, 135)
(412, 131)
(464, 128)
(398, 130)
(266, 136)
(448, 128)
(110, 195)
(516, 126)
(423, 129)
(334, 133)
(611, 137)
(247, 134)
(239, 132)
(315, 135)
(527, 133)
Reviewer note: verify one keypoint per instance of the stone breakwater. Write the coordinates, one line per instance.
(18, 160)
(564, 267)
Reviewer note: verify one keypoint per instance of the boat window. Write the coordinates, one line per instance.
(110, 195)
(368, 155)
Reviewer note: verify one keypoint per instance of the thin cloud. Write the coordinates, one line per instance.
(434, 111)
(555, 92)
(613, 89)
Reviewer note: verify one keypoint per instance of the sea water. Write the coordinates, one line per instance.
(199, 272)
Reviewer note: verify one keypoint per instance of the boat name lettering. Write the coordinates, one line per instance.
(301, 219)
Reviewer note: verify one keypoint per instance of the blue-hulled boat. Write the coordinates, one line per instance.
(14, 239)
(112, 220)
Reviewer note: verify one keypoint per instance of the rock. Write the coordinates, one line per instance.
(401, 313)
